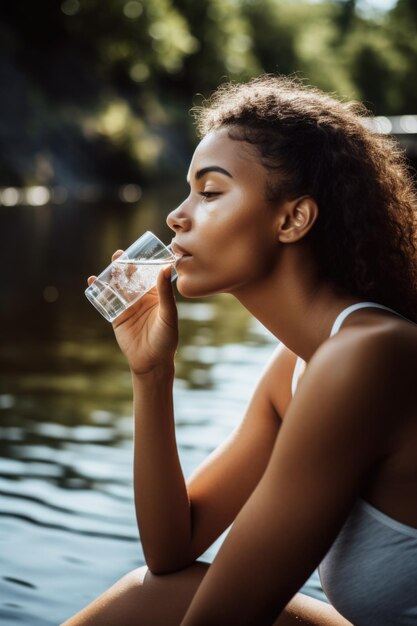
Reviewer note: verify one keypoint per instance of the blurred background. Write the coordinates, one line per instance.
(95, 142)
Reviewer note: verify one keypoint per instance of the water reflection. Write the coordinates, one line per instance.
(67, 521)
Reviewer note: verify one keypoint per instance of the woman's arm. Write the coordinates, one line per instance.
(161, 498)
(335, 431)
(177, 522)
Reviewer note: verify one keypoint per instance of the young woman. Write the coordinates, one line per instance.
(308, 218)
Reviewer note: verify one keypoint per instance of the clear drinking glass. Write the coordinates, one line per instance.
(130, 276)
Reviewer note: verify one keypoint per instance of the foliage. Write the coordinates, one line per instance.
(97, 91)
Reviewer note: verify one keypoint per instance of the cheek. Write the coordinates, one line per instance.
(223, 211)
(225, 225)
(234, 245)
(221, 270)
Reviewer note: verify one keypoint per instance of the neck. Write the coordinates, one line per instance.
(293, 303)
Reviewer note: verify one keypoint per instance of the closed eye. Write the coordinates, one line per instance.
(209, 194)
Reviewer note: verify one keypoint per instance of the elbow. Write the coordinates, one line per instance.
(160, 566)
(160, 569)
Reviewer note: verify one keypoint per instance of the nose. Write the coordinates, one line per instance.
(178, 220)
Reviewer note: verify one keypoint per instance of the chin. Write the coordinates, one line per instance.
(194, 289)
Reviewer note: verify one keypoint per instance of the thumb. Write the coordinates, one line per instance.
(167, 305)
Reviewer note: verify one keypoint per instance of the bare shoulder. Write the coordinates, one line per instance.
(388, 349)
(369, 367)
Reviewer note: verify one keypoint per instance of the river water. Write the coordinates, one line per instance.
(67, 522)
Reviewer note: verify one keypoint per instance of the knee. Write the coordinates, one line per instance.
(143, 580)
(143, 577)
(135, 578)
(140, 577)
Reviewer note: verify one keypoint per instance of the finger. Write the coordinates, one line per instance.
(90, 280)
(116, 254)
(167, 306)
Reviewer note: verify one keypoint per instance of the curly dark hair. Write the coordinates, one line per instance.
(364, 239)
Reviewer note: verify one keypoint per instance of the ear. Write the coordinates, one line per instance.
(296, 218)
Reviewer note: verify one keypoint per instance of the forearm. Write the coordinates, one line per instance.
(161, 499)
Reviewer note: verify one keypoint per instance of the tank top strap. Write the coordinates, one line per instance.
(296, 374)
(354, 307)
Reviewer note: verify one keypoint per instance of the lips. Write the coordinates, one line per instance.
(179, 251)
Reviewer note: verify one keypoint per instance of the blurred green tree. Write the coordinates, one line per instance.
(100, 92)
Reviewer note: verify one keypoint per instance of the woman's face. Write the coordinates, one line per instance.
(225, 227)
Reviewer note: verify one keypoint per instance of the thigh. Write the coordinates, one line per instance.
(143, 599)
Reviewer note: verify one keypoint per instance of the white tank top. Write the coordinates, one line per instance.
(370, 572)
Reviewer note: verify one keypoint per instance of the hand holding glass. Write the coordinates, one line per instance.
(130, 276)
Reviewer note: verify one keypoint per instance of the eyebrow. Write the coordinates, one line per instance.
(211, 168)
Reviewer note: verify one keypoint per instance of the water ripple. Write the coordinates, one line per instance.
(67, 519)
(17, 581)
